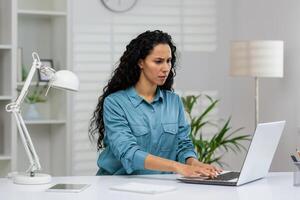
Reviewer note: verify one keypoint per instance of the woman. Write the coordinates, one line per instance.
(140, 121)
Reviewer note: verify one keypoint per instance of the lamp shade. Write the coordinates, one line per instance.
(65, 80)
(257, 58)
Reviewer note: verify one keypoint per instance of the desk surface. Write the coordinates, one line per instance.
(275, 186)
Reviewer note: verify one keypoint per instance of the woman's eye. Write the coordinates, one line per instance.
(158, 61)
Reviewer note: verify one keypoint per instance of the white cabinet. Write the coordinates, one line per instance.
(40, 26)
(6, 85)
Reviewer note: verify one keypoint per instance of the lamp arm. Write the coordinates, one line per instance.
(35, 65)
(14, 107)
(27, 143)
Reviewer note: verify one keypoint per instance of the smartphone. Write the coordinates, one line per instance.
(67, 187)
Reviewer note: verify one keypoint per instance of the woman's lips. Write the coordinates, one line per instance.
(162, 77)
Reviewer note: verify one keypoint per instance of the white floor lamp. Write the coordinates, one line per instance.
(257, 58)
(62, 79)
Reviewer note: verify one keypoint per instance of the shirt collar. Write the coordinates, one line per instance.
(136, 99)
(158, 96)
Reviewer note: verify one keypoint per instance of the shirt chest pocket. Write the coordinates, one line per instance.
(167, 140)
(141, 134)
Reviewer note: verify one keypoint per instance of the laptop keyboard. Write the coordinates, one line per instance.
(227, 176)
(228, 179)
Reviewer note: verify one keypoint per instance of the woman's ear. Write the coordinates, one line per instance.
(141, 63)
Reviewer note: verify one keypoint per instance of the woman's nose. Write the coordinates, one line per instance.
(166, 67)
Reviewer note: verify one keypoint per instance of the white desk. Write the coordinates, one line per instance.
(277, 186)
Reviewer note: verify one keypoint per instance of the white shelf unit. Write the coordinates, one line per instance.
(5, 139)
(41, 13)
(5, 23)
(5, 158)
(5, 72)
(44, 122)
(43, 27)
(5, 47)
(6, 86)
(45, 5)
(33, 83)
(5, 98)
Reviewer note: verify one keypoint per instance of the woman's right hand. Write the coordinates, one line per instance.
(193, 171)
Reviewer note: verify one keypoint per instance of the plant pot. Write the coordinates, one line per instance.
(32, 112)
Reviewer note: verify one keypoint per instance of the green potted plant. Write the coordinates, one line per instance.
(224, 139)
(36, 95)
(24, 73)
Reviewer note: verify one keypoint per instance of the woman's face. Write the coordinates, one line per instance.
(156, 66)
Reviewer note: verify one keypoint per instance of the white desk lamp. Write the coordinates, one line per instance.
(63, 79)
(257, 58)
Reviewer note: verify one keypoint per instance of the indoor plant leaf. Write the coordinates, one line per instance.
(223, 139)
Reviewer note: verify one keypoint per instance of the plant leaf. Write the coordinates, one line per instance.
(224, 138)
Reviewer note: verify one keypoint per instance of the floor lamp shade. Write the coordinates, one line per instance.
(257, 58)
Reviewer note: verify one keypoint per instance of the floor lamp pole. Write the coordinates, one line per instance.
(256, 102)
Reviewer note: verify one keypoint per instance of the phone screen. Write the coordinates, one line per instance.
(68, 187)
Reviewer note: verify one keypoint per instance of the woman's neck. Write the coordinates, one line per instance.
(146, 90)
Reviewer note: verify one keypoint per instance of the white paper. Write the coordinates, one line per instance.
(143, 188)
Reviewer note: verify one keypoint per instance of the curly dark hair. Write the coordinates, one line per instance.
(127, 74)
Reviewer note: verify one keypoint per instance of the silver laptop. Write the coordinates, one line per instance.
(257, 162)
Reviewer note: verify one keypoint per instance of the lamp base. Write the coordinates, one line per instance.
(25, 179)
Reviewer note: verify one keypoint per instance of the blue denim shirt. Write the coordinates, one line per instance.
(135, 128)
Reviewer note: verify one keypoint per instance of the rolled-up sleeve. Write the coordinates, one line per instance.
(120, 138)
(185, 147)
